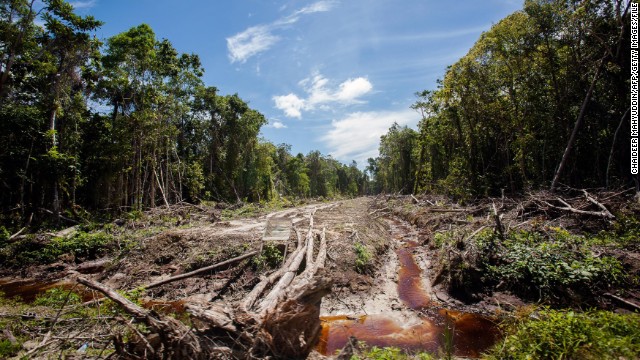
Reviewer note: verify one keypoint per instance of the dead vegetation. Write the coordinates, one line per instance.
(193, 291)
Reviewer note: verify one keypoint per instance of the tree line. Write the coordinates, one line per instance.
(541, 100)
(129, 124)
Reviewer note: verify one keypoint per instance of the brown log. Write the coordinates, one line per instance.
(309, 240)
(201, 270)
(276, 294)
(251, 298)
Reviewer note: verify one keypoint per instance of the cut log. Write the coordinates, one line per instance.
(309, 257)
(276, 293)
(201, 270)
(257, 290)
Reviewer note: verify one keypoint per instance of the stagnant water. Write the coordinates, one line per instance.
(443, 330)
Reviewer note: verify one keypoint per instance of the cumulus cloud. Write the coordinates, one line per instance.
(356, 136)
(260, 38)
(320, 95)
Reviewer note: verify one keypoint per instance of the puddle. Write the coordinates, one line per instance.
(27, 290)
(472, 333)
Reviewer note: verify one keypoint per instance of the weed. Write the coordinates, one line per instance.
(7, 349)
(270, 257)
(363, 258)
(390, 353)
(571, 335)
(56, 298)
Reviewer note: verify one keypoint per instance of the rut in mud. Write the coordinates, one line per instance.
(419, 323)
(396, 307)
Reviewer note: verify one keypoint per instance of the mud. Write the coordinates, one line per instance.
(420, 323)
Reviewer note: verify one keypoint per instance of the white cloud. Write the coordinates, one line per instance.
(353, 89)
(356, 137)
(278, 125)
(83, 4)
(250, 42)
(320, 95)
(290, 104)
(260, 38)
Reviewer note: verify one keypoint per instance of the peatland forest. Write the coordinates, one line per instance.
(142, 216)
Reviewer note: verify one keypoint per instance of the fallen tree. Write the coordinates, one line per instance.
(284, 324)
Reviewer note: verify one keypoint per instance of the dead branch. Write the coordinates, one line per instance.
(201, 270)
(378, 210)
(17, 234)
(177, 340)
(626, 302)
(605, 211)
(570, 208)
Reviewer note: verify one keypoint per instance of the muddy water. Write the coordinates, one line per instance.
(466, 334)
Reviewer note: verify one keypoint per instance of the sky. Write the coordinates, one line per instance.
(329, 75)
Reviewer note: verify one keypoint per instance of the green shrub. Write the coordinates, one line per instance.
(530, 263)
(571, 335)
(270, 257)
(7, 349)
(363, 258)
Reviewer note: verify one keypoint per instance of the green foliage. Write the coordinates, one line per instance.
(57, 297)
(81, 244)
(7, 349)
(390, 353)
(550, 266)
(363, 258)
(270, 257)
(571, 335)
(493, 122)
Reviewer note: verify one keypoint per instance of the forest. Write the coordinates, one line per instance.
(90, 128)
(541, 100)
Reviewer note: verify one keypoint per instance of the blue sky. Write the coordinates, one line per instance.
(331, 75)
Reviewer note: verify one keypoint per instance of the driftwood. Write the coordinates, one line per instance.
(201, 270)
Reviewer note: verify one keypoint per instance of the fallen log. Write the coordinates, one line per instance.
(257, 290)
(276, 293)
(201, 270)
